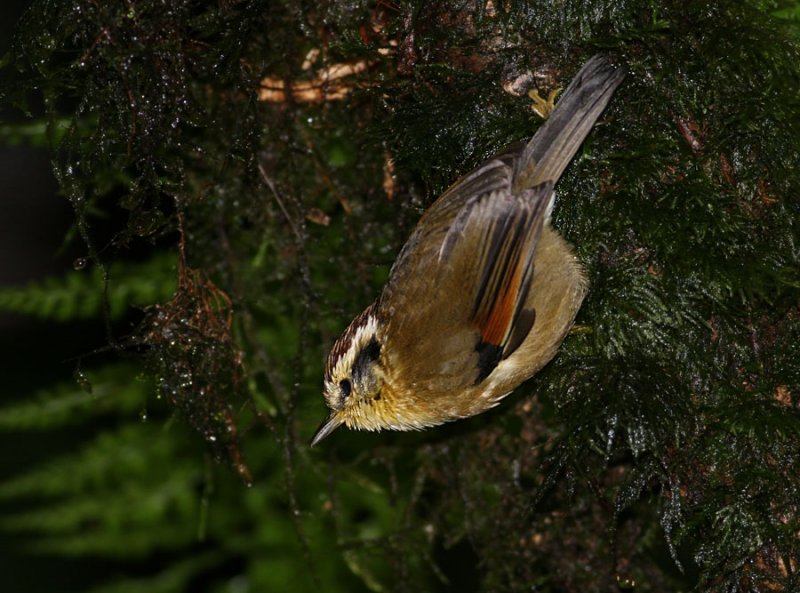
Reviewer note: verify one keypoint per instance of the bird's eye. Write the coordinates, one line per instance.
(346, 387)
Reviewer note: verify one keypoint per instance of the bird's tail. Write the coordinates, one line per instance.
(556, 142)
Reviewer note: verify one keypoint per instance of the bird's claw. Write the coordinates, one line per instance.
(541, 106)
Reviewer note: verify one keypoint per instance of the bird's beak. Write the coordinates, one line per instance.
(334, 421)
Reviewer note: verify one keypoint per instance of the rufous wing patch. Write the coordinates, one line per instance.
(510, 226)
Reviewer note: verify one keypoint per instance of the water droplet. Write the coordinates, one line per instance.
(625, 583)
(148, 222)
(80, 263)
(82, 380)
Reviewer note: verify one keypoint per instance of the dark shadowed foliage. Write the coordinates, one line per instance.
(242, 174)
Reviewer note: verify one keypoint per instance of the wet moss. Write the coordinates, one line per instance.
(658, 451)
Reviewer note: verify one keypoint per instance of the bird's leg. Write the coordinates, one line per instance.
(541, 106)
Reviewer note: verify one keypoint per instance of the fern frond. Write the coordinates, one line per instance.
(95, 507)
(114, 389)
(79, 294)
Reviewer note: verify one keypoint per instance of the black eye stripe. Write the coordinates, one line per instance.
(346, 387)
(369, 354)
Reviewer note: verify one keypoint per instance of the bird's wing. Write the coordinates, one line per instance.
(453, 307)
(498, 242)
(454, 302)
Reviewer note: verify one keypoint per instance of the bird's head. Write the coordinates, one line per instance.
(354, 379)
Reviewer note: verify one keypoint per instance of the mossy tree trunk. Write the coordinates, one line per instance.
(243, 174)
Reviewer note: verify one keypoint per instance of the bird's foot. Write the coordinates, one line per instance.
(541, 106)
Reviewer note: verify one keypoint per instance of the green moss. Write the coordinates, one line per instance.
(658, 453)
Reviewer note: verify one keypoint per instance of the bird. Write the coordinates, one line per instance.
(483, 292)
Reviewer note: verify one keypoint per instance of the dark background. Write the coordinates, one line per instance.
(34, 218)
(34, 222)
